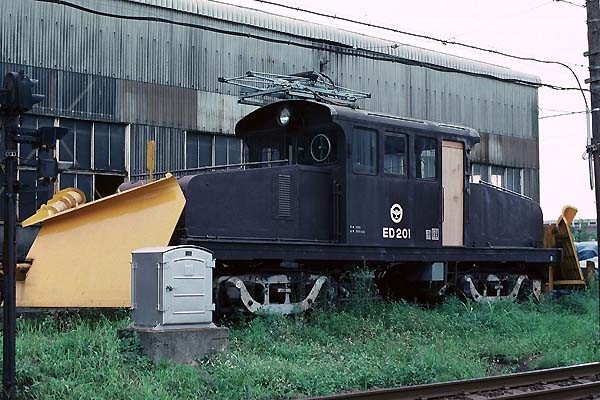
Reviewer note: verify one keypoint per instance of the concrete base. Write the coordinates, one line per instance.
(182, 346)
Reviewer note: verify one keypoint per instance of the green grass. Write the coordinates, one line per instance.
(381, 345)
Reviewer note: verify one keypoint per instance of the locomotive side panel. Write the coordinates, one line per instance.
(500, 218)
(278, 203)
(393, 187)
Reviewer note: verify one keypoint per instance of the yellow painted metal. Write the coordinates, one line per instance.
(81, 257)
(150, 164)
(61, 201)
(568, 282)
(568, 271)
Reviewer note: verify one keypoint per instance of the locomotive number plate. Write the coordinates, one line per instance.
(396, 233)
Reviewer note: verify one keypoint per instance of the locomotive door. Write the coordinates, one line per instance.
(453, 190)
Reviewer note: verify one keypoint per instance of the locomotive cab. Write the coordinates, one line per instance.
(296, 132)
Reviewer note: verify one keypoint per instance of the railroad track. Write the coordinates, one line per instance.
(568, 383)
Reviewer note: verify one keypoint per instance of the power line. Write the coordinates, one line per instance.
(432, 38)
(570, 2)
(563, 114)
(334, 47)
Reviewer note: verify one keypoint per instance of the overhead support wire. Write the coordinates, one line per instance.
(435, 39)
(571, 3)
(321, 44)
(568, 113)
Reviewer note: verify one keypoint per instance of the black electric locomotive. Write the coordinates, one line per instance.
(326, 187)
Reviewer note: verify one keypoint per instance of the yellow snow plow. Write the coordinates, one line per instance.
(568, 272)
(81, 256)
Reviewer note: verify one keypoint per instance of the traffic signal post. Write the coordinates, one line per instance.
(17, 98)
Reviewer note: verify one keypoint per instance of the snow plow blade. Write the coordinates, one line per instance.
(568, 272)
(82, 256)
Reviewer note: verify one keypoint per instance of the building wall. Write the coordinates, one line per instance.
(159, 81)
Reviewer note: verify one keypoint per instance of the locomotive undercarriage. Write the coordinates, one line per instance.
(479, 282)
(281, 294)
(297, 289)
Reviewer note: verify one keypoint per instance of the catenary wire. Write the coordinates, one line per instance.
(570, 2)
(431, 38)
(563, 114)
(335, 47)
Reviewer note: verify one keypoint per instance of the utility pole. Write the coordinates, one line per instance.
(17, 98)
(593, 25)
(9, 260)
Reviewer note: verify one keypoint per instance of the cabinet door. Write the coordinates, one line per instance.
(187, 289)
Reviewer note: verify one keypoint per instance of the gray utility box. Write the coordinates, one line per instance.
(171, 287)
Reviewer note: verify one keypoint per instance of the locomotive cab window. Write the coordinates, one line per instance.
(317, 146)
(425, 159)
(263, 147)
(364, 151)
(394, 156)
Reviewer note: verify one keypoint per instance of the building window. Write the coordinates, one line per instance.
(76, 146)
(109, 147)
(513, 179)
(425, 158)
(505, 177)
(227, 150)
(198, 150)
(476, 173)
(97, 151)
(497, 176)
(364, 151)
(394, 156)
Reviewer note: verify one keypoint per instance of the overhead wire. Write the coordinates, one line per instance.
(336, 47)
(563, 114)
(432, 38)
(570, 2)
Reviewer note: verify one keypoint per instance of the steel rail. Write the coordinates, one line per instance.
(502, 382)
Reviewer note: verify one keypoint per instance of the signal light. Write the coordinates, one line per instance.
(48, 135)
(48, 167)
(16, 96)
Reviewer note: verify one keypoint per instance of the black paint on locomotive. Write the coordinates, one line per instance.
(322, 206)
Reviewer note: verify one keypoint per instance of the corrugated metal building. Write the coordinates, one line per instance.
(118, 82)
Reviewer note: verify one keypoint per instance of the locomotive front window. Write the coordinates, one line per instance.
(425, 157)
(364, 151)
(317, 146)
(263, 147)
(394, 157)
(269, 154)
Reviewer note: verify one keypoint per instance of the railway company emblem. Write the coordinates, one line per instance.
(396, 213)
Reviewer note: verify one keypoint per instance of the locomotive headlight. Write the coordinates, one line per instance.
(284, 116)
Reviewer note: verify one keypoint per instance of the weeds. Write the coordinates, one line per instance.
(358, 346)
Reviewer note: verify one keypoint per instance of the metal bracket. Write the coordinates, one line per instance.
(289, 308)
(478, 297)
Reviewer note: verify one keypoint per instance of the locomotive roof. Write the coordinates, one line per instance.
(335, 112)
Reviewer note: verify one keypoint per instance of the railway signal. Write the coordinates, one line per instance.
(16, 98)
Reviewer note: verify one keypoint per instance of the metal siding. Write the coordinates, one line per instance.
(157, 105)
(144, 72)
(211, 12)
(507, 151)
(170, 145)
(78, 30)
